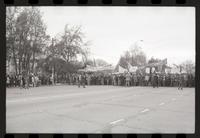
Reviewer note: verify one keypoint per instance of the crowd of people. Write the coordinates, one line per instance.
(23, 81)
(129, 79)
(124, 79)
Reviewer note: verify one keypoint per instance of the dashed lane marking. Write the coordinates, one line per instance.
(162, 103)
(117, 121)
(173, 99)
(145, 110)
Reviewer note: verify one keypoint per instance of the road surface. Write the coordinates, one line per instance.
(100, 109)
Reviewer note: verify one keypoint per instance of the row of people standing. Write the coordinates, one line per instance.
(22, 81)
(125, 79)
(166, 80)
(128, 79)
(90, 79)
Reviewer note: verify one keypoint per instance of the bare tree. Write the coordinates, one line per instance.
(138, 57)
(135, 56)
(11, 17)
(188, 65)
(71, 43)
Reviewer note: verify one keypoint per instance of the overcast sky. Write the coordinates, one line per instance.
(167, 32)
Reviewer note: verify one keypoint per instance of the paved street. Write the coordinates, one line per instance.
(100, 109)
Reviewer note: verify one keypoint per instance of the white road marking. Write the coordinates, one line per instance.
(145, 110)
(173, 99)
(162, 103)
(114, 122)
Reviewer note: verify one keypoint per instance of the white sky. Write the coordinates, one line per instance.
(167, 32)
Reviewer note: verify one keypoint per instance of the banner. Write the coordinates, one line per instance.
(153, 69)
(175, 70)
(183, 71)
(167, 70)
(159, 68)
(132, 68)
(147, 70)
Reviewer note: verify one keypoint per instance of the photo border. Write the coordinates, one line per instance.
(150, 3)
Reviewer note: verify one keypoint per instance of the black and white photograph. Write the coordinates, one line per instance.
(100, 69)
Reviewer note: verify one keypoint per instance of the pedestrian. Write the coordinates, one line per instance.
(33, 81)
(26, 82)
(102, 80)
(154, 79)
(185, 79)
(52, 80)
(160, 80)
(180, 82)
(135, 80)
(83, 80)
(15, 81)
(146, 80)
(8, 81)
(128, 79)
(79, 80)
(36, 81)
(88, 79)
(118, 80)
(157, 80)
(114, 80)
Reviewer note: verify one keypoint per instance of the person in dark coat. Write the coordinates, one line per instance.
(155, 80)
(8, 81)
(83, 79)
(180, 82)
(79, 80)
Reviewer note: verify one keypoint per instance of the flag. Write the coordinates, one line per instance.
(129, 66)
(175, 70)
(176, 65)
(167, 70)
(160, 68)
(181, 68)
(132, 68)
(153, 69)
(121, 69)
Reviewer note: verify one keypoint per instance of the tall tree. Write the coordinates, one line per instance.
(188, 66)
(11, 52)
(138, 57)
(67, 47)
(28, 38)
(154, 60)
(71, 43)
